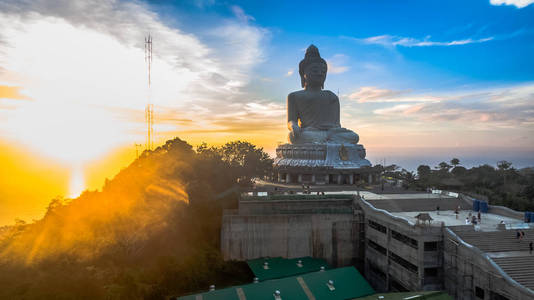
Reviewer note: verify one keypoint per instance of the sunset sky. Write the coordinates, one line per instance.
(419, 81)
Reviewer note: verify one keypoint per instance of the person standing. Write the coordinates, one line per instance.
(530, 247)
(478, 217)
(437, 209)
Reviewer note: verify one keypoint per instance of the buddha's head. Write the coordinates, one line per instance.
(312, 69)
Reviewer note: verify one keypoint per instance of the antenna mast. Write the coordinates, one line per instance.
(149, 109)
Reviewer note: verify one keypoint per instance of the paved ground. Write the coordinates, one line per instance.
(489, 221)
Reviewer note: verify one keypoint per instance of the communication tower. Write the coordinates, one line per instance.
(149, 109)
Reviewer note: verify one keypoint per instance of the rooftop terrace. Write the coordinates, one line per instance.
(448, 218)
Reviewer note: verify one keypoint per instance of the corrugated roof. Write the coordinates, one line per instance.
(348, 284)
(282, 267)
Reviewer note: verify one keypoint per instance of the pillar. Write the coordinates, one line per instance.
(288, 178)
(299, 178)
(339, 177)
(351, 178)
(313, 179)
(279, 177)
(370, 178)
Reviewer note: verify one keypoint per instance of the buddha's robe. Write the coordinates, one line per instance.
(317, 113)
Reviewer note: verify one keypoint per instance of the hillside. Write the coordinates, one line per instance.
(151, 232)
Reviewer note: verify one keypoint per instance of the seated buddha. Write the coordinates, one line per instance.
(313, 113)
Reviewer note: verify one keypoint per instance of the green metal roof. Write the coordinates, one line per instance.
(409, 295)
(348, 283)
(282, 267)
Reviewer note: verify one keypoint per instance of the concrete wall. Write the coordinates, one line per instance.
(289, 228)
(467, 268)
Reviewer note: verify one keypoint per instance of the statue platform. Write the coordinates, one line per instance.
(327, 163)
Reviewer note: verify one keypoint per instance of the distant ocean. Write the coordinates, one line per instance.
(411, 158)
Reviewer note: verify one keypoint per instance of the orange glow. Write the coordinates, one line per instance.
(11, 92)
(28, 182)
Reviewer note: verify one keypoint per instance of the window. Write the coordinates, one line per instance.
(376, 270)
(396, 286)
(497, 296)
(377, 226)
(431, 246)
(376, 246)
(431, 272)
(479, 293)
(401, 261)
(404, 239)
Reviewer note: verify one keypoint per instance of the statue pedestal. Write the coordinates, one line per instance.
(321, 164)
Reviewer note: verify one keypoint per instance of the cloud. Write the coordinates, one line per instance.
(511, 107)
(516, 3)
(82, 65)
(368, 94)
(336, 64)
(241, 15)
(392, 41)
(373, 94)
(289, 72)
(254, 117)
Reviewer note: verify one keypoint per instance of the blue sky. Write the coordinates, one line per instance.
(414, 78)
(499, 38)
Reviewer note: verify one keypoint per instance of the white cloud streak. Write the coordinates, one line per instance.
(516, 3)
(392, 41)
(368, 94)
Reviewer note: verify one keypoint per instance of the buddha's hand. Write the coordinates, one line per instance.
(295, 130)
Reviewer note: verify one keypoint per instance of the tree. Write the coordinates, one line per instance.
(458, 171)
(455, 162)
(443, 166)
(503, 165)
(423, 171)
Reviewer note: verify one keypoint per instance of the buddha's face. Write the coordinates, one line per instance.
(315, 75)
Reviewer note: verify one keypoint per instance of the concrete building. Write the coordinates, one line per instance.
(401, 242)
(294, 226)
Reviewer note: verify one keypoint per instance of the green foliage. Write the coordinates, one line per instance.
(152, 232)
(503, 185)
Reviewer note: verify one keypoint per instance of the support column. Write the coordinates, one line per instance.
(339, 177)
(313, 179)
(279, 177)
(351, 179)
(299, 178)
(288, 178)
(370, 178)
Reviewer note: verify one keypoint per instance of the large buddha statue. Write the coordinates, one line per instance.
(313, 113)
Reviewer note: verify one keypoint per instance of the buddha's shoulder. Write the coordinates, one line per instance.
(306, 94)
(329, 93)
(296, 94)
